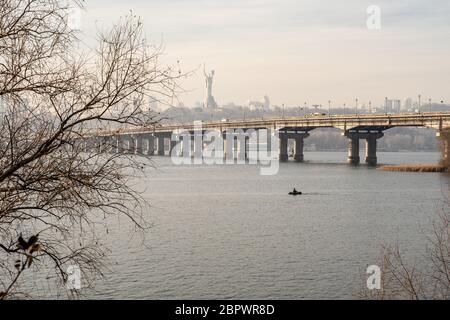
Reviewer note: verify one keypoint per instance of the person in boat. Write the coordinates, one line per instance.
(295, 192)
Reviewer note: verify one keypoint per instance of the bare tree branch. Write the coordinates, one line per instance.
(52, 96)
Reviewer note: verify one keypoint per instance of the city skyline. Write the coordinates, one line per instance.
(297, 51)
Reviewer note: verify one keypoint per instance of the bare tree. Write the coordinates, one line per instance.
(53, 94)
(401, 279)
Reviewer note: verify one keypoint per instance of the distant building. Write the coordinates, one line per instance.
(153, 105)
(198, 104)
(2, 105)
(408, 104)
(393, 105)
(230, 106)
(263, 103)
(363, 108)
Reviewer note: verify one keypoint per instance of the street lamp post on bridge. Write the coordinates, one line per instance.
(385, 105)
(420, 97)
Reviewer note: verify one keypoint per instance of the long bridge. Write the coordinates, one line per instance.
(369, 127)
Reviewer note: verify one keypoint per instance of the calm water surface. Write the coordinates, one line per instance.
(227, 232)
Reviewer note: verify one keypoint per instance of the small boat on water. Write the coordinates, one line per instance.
(295, 193)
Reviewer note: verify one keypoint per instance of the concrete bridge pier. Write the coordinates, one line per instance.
(102, 144)
(82, 145)
(126, 144)
(120, 144)
(299, 144)
(235, 147)
(138, 143)
(445, 150)
(283, 147)
(107, 144)
(197, 144)
(150, 144)
(114, 144)
(353, 148)
(160, 151)
(264, 141)
(444, 137)
(194, 147)
(228, 146)
(371, 147)
(95, 144)
(90, 144)
(173, 145)
(242, 152)
(131, 144)
(186, 148)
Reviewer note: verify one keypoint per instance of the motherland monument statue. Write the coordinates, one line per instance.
(209, 102)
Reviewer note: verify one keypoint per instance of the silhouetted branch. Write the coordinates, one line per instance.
(52, 96)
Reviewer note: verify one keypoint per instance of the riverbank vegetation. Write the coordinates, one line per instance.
(419, 167)
(404, 278)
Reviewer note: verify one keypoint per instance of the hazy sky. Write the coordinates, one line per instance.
(298, 50)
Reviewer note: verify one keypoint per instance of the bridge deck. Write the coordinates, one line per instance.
(436, 120)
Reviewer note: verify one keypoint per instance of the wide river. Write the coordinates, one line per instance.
(227, 232)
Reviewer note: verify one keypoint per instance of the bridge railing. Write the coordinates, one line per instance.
(433, 119)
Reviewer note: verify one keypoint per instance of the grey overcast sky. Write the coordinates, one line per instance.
(297, 50)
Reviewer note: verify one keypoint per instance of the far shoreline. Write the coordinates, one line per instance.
(419, 167)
